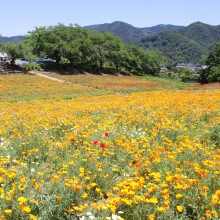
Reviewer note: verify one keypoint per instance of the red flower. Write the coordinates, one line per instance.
(106, 134)
(102, 145)
(95, 142)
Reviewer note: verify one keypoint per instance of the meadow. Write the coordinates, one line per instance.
(105, 153)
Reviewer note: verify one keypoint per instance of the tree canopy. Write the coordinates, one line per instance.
(213, 60)
(92, 51)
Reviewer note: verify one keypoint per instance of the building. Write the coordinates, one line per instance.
(3, 56)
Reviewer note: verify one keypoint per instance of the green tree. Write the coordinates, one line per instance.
(1, 43)
(212, 73)
(12, 49)
(213, 58)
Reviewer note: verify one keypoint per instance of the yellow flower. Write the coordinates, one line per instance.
(22, 199)
(152, 200)
(26, 209)
(179, 196)
(161, 209)
(8, 211)
(151, 217)
(215, 199)
(114, 169)
(84, 195)
(22, 187)
(180, 208)
(98, 190)
(32, 217)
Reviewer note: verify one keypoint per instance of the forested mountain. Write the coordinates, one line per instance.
(204, 34)
(12, 39)
(189, 44)
(129, 33)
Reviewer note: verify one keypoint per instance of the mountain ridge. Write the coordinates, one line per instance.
(16, 38)
(189, 44)
(130, 33)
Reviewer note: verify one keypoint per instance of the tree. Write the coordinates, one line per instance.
(49, 41)
(212, 73)
(12, 49)
(91, 51)
(1, 43)
(213, 58)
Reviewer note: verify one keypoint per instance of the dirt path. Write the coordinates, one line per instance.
(48, 77)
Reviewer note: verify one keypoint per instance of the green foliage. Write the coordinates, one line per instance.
(188, 44)
(92, 51)
(186, 75)
(19, 50)
(1, 44)
(175, 46)
(212, 74)
(31, 66)
(12, 50)
(204, 34)
(214, 57)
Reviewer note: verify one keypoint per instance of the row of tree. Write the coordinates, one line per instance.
(80, 48)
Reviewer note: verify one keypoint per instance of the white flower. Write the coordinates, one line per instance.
(120, 212)
(88, 213)
(114, 217)
(91, 217)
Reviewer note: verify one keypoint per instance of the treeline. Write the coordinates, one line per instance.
(80, 48)
(212, 73)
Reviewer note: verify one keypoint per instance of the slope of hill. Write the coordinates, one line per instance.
(189, 44)
(161, 28)
(12, 39)
(129, 33)
(175, 46)
(206, 35)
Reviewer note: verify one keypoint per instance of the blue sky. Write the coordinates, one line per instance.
(20, 16)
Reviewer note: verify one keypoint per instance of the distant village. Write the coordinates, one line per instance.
(191, 66)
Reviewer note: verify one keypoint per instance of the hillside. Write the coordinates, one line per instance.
(129, 33)
(12, 39)
(189, 44)
(204, 34)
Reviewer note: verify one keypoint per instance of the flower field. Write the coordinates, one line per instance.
(28, 87)
(22, 87)
(144, 155)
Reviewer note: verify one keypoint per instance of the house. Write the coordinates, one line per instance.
(3, 56)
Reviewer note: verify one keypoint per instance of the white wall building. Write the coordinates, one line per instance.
(3, 56)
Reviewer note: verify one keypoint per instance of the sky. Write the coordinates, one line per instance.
(18, 17)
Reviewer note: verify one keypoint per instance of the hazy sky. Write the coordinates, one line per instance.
(20, 16)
